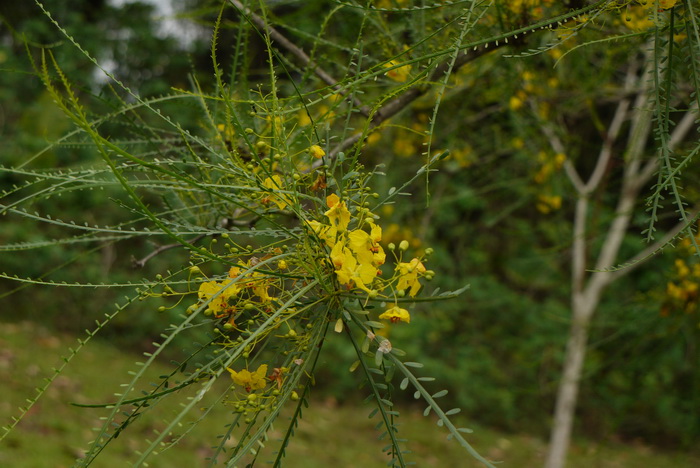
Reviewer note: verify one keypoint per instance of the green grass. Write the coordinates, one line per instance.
(54, 433)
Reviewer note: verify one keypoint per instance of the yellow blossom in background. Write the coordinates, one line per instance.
(548, 203)
(250, 380)
(391, 3)
(316, 151)
(396, 314)
(395, 233)
(515, 102)
(373, 138)
(681, 268)
(637, 18)
(399, 74)
(667, 4)
(409, 275)
(303, 118)
(403, 146)
(227, 131)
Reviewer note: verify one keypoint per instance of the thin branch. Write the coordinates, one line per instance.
(652, 249)
(569, 168)
(285, 43)
(611, 136)
(142, 262)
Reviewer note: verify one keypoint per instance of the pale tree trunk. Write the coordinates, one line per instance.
(568, 389)
(587, 290)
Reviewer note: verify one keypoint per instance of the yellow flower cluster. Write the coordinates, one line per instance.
(356, 257)
(226, 298)
(549, 165)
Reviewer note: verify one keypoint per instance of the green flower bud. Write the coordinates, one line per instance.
(403, 245)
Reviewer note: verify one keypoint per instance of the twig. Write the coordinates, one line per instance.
(298, 53)
(142, 262)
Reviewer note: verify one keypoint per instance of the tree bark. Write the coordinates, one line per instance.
(567, 394)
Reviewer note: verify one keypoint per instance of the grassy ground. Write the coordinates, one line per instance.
(54, 433)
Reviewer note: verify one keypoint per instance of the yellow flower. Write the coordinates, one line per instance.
(324, 232)
(317, 152)
(338, 213)
(349, 271)
(396, 314)
(366, 246)
(409, 275)
(250, 380)
(220, 292)
(274, 184)
(399, 74)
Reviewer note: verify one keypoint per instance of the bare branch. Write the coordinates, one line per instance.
(558, 147)
(142, 262)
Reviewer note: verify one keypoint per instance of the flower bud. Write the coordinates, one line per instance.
(403, 245)
(391, 246)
